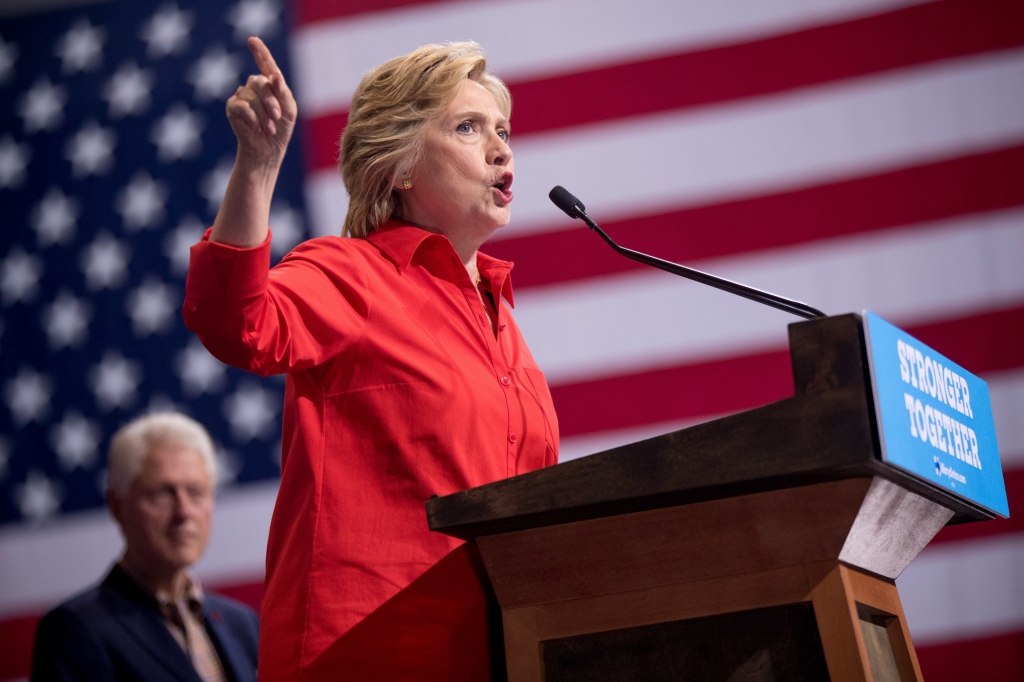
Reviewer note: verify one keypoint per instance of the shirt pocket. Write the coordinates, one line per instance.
(547, 406)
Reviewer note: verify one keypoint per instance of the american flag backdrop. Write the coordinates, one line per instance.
(849, 153)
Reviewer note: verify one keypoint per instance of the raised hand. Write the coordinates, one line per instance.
(262, 112)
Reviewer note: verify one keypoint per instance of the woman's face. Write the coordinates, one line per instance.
(461, 186)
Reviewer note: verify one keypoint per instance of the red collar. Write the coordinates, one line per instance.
(400, 241)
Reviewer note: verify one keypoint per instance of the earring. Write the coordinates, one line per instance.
(407, 183)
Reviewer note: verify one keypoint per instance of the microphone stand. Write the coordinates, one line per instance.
(575, 209)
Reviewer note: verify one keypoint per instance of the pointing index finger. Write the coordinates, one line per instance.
(264, 60)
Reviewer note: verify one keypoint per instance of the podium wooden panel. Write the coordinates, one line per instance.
(700, 554)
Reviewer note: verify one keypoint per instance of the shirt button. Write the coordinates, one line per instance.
(501, 327)
(504, 381)
(512, 437)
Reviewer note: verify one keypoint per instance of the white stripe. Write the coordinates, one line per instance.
(42, 566)
(238, 542)
(814, 135)
(575, 447)
(326, 202)
(1007, 392)
(643, 320)
(768, 144)
(963, 590)
(536, 38)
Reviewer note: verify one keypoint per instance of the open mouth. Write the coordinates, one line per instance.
(504, 186)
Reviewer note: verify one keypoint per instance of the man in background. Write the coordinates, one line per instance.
(149, 619)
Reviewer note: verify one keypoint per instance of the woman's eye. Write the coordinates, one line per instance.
(464, 127)
(504, 135)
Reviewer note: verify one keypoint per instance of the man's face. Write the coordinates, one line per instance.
(166, 514)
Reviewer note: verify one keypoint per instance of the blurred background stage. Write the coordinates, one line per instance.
(849, 153)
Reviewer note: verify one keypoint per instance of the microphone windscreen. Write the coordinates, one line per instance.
(564, 200)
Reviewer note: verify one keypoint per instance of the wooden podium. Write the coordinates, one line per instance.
(760, 546)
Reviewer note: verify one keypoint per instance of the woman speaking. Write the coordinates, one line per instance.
(406, 374)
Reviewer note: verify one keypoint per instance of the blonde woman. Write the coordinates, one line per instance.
(406, 374)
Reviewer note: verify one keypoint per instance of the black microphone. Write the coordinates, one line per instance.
(574, 208)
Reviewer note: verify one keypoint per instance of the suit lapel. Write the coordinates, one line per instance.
(234, 659)
(140, 617)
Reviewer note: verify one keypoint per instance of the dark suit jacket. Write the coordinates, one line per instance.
(115, 632)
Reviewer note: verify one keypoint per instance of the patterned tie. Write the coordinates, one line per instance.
(185, 620)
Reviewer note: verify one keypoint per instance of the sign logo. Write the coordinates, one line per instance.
(934, 417)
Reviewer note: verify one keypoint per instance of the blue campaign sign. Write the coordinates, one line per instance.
(934, 417)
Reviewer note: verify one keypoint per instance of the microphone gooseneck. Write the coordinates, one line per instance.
(574, 208)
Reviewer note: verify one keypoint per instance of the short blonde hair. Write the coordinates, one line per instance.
(382, 140)
(134, 441)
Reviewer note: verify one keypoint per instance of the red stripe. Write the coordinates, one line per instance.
(742, 383)
(312, 11)
(914, 35)
(247, 593)
(982, 343)
(682, 392)
(1014, 479)
(18, 636)
(905, 37)
(323, 138)
(992, 659)
(934, 191)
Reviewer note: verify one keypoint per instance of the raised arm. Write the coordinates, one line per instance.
(262, 114)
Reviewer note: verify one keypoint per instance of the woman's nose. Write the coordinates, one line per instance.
(500, 152)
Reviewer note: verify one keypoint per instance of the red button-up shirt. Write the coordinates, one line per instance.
(398, 388)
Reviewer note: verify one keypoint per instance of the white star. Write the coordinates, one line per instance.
(91, 150)
(38, 497)
(151, 307)
(114, 381)
(215, 183)
(8, 55)
(229, 465)
(42, 107)
(75, 440)
(19, 276)
(179, 241)
(161, 403)
(215, 75)
(14, 159)
(5, 456)
(81, 48)
(141, 202)
(286, 226)
(251, 411)
(177, 134)
(167, 31)
(105, 262)
(66, 321)
(54, 218)
(200, 372)
(28, 396)
(254, 18)
(127, 91)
